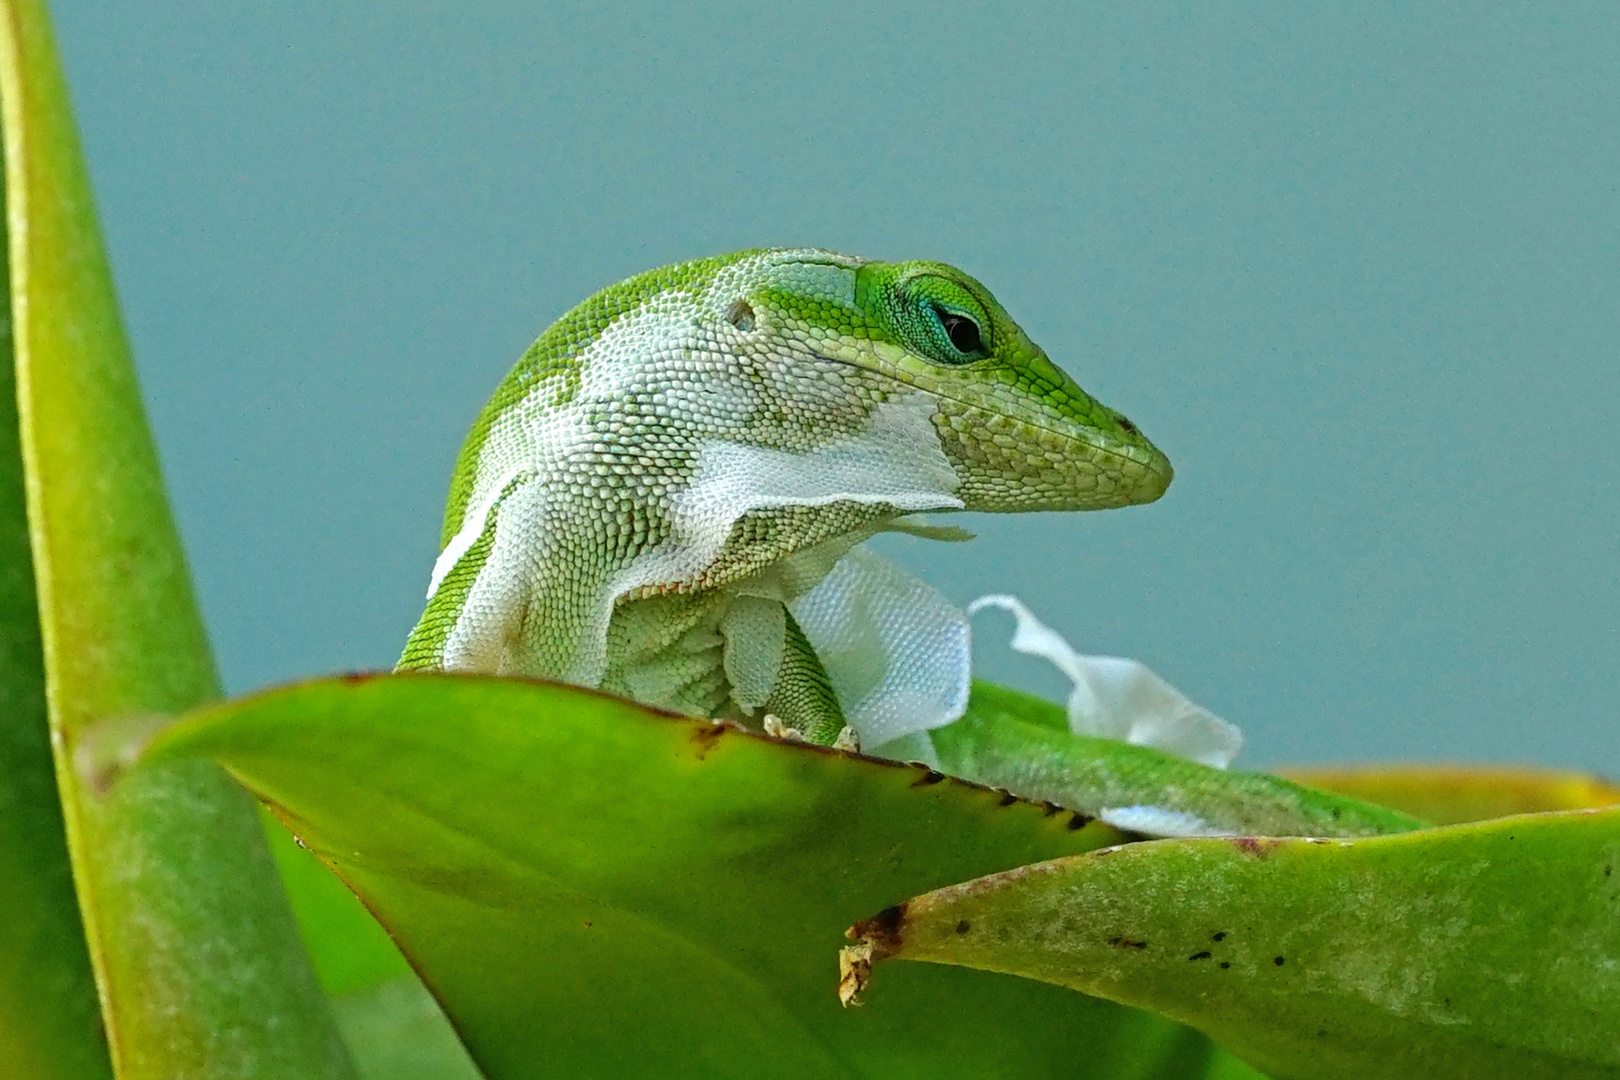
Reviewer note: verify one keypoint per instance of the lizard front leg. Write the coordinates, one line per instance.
(448, 637)
(802, 698)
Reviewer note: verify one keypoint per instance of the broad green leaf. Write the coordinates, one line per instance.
(1454, 794)
(1467, 952)
(50, 1024)
(197, 958)
(595, 889)
(1021, 743)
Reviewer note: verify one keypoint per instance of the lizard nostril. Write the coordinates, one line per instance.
(740, 315)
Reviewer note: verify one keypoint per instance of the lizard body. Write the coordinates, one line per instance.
(661, 489)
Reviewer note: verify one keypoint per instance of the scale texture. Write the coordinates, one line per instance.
(655, 499)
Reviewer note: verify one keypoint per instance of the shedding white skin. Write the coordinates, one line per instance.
(1115, 698)
(896, 461)
(542, 603)
(695, 424)
(897, 652)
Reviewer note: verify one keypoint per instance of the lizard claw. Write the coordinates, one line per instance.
(778, 730)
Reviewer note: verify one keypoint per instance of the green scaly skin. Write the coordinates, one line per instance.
(595, 532)
(1022, 743)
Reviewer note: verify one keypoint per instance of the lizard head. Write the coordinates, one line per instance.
(1021, 434)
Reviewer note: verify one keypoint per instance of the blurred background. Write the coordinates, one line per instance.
(1354, 267)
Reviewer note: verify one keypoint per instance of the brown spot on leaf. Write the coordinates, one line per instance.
(1127, 943)
(1078, 821)
(881, 931)
(1257, 846)
(890, 918)
(1199, 955)
(963, 927)
(1008, 798)
(1225, 964)
(706, 736)
(1050, 808)
(1219, 935)
(1277, 960)
(929, 777)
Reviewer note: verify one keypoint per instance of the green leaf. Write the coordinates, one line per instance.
(392, 1026)
(1473, 951)
(50, 1023)
(595, 889)
(1023, 744)
(397, 1032)
(350, 951)
(196, 955)
(1454, 794)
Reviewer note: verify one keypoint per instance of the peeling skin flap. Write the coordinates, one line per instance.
(897, 651)
(1122, 699)
(895, 461)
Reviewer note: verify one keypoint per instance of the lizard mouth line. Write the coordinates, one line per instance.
(974, 405)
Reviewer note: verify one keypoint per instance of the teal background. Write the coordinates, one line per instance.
(1354, 267)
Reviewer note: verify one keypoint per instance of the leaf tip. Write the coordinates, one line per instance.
(875, 939)
(854, 971)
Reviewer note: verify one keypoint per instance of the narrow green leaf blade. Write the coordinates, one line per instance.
(197, 959)
(1469, 952)
(594, 889)
(1022, 743)
(349, 951)
(396, 1031)
(1454, 794)
(50, 1022)
(392, 1026)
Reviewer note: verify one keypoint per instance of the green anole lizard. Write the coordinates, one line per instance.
(684, 455)
(662, 497)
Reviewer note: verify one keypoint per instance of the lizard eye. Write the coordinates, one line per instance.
(963, 331)
(942, 320)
